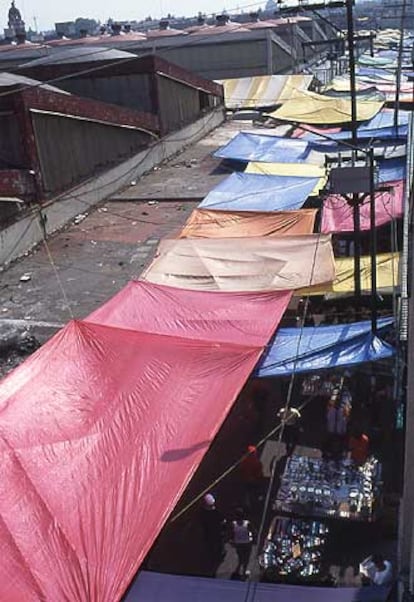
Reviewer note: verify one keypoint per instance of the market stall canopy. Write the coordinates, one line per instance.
(241, 318)
(262, 91)
(387, 276)
(337, 213)
(341, 83)
(204, 223)
(383, 85)
(381, 126)
(308, 107)
(102, 429)
(377, 75)
(256, 192)
(369, 93)
(391, 170)
(323, 347)
(376, 61)
(243, 264)
(291, 169)
(270, 149)
(157, 587)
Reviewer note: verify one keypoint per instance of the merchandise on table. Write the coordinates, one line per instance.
(293, 550)
(323, 385)
(317, 487)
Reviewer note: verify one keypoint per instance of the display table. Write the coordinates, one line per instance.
(293, 550)
(330, 489)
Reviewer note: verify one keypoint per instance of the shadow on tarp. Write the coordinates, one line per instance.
(172, 455)
(156, 587)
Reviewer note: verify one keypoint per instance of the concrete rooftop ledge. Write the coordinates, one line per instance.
(25, 233)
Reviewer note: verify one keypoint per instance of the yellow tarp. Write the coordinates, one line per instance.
(207, 223)
(243, 264)
(387, 275)
(316, 109)
(304, 170)
(342, 84)
(262, 90)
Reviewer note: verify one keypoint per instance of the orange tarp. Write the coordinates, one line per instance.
(205, 223)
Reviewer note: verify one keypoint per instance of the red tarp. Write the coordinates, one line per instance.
(337, 214)
(101, 430)
(245, 318)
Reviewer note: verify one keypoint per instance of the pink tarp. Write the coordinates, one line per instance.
(337, 214)
(244, 318)
(101, 430)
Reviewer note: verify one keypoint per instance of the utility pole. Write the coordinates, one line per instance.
(373, 242)
(354, 126)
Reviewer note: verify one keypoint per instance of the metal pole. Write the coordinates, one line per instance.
(399, 65)
(354, 125)
(357, 251)
(373, 245)
(351, 50)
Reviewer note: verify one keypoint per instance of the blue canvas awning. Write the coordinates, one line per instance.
(382, 75)
(391, 170)
(255, 192)
(380, 127)
(321, 347)
(266, 148)
(159, 587)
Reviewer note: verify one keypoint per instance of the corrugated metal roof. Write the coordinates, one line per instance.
(82, 54)
(123, 37)
(11, 79)
(164, 33)
(229, 27)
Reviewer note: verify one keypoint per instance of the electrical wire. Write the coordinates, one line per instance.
(42, 226)
(288, 400)
(277, 429)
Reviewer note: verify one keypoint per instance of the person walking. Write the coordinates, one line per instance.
(213, 525)
(291, 430)
(242, 540)
(358, 446)
(251, 472)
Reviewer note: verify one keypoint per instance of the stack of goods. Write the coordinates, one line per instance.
(315, 384)
(293, 550)
(317, 487)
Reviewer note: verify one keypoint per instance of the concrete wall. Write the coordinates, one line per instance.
(26, 233)
(80, 148)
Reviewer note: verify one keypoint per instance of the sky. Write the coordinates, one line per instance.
(48, 12)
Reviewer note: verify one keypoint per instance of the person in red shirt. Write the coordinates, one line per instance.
(251, 472)
(359, 446)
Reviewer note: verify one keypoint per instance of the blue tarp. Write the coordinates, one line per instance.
(380, 127)
(256, 192)
(391, 170)
(317, 348)
(159, 587)
(382, 75)
(266, 148)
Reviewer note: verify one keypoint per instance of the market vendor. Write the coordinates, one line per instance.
(358, 446)
(376, 570)
(291, 430)
(251, 472)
